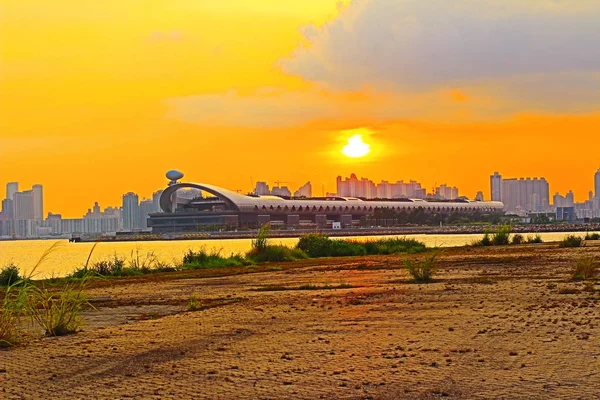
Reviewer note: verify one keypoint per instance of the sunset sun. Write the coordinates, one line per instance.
(356, 147)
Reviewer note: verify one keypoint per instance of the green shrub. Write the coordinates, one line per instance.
(571, 241)
(262, 239)
(393, 246)
(276, 253)
(585, 268)
(486, 241)
(204, 259)
(422, 271)
(10, 275)
(592, 236)
(537, 238)
(518, 239)
(502, 236)
(322, 246)
(194, 303)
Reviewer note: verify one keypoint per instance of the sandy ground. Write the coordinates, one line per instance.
(496, 323)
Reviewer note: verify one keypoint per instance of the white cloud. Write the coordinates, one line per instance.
(416, 44)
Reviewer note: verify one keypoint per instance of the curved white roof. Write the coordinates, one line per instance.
(246, 203)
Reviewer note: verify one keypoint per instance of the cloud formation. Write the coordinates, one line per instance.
(415, 44)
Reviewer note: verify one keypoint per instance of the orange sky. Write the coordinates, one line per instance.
(101, 98)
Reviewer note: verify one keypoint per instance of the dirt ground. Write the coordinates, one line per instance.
(496, 323)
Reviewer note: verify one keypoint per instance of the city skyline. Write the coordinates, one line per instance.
(497, 189)
(459, 98)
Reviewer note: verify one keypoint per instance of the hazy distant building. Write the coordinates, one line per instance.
(445, 192)
(8, 208)
(131, 211)
(597, 184)
(38, 202)
(23, 205)
(262, 189)
(283, 191)
(570, 199)
(496, 186)
(521, 195)
(479, 196)
(366, 189)
(11, 189)
(146, 208)
(304, 191)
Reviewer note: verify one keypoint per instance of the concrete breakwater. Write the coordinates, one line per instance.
(383, 231)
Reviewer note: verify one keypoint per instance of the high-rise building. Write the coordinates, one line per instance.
(23, 205)
(8, 208)
(38, 202)
(479, 196)
(570, 199)
(366, 188)
(146, 208)
(283, 191)
(445, 192)
(131, 211)
(525, 194)
(11, 189)
(262, 189)
(496, 186)
(304, 191)
(597, 184)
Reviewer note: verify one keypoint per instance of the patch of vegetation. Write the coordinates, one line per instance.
(592, 236)
(537, 238)
(194, 303)
(276, 253)
(518, 239)
(211, 259)
(571, 241)
(502, 236)
(499, 238)
(10, 275)
(422, 271)
(58, 313)
(316, 245)
(12, 309)
(585, 268)
(137, 264)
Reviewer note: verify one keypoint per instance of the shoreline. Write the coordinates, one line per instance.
(296, 233)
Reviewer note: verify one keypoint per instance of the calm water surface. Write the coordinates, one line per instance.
(69, 256)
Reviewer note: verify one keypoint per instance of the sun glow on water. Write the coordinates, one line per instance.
(356, 147)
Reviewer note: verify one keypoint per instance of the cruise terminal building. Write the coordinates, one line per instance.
(226, 209)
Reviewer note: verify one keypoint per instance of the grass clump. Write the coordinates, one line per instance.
(422, 271)
(12, 309)
(571, 241)
(393, 246)
(502, 236)
(315, 245)
(276, 253)
(263, 251)
(518, 239)
(194, 303)
(10, 275)
(585, 268)
(211, 259)
(58, 313)
(537, 238)
(592, 236)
